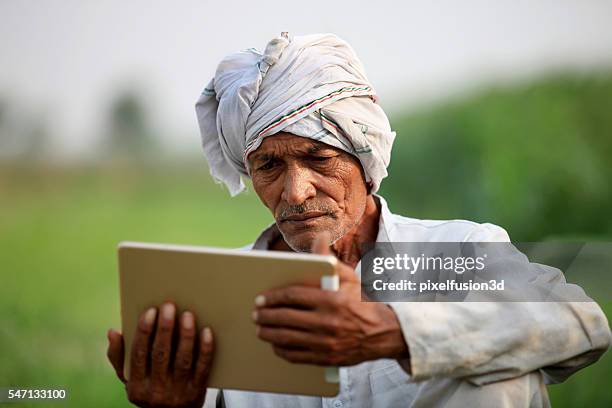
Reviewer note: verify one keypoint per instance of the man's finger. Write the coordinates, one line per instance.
(320, 244)
(291, 338)
(162, 345)
(346, 273)
(140, 346)
(300, 296)
(205, 355)
(116, 352)
(183, 361)
(303, 356)
(289, 318)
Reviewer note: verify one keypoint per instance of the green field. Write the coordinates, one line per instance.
(59, 292)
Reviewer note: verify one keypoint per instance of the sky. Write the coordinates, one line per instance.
(66, 60)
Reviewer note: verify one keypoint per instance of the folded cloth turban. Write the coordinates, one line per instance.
(312, 86)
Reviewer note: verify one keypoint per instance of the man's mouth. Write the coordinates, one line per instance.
(304, 216)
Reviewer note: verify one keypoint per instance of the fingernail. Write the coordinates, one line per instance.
(257, 330)
(150, 314)
(260, 300)
(168, 311)
(188, 320)
(254, 315)
(207, 335)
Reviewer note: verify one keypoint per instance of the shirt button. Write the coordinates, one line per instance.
(338, 404)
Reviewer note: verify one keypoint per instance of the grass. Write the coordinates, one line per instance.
(58, 234)
(59, 228)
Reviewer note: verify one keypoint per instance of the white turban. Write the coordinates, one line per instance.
(312, 86)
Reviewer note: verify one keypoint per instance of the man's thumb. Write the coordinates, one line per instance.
(320, 244)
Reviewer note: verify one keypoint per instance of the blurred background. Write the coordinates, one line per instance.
(503, 113)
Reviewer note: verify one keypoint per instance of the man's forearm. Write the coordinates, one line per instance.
(487, 341)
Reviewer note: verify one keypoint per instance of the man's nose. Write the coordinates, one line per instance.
(298, 186)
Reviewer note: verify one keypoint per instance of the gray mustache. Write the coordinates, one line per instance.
(306, 207)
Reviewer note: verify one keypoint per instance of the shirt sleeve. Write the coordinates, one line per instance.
(484, 342)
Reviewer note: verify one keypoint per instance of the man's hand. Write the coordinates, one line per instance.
(165, 370)
(309, 325)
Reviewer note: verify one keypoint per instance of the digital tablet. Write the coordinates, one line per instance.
(220, 286)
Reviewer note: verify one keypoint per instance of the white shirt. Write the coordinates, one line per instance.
(461, 354)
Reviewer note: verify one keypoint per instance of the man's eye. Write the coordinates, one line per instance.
(267, 166)
(320, 158)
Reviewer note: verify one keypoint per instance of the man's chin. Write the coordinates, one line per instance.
(301, 239)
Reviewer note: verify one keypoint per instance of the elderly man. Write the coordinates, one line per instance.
(301, 121)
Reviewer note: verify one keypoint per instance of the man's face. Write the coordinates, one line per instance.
(309, 186)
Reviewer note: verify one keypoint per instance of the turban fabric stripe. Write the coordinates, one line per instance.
(312, 86)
